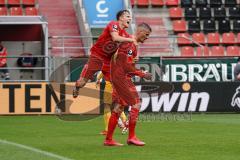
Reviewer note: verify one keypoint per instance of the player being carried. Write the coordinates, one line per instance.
(125, 92)
(105, 47)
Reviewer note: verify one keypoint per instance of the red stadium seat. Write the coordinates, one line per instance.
(202, 51)
(2, 2)
(28, 2)
(175, 13)
(3, 11)
(171, 3)
(238, 38)
(133, 2)
(142, 3)
(31, 11)
(187, 51)
(228, 39)
(233, 51)
(16, 11)
(213, 38)
(14, 2)
(183, 41)
(157, 3)
(179, 26)
(198, 37)
(217, 51)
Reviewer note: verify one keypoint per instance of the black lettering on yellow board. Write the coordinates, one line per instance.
(11, 88)
(50, 92)
(29, 97)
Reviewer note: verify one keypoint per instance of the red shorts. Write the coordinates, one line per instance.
(124, 92)
(94, 64)
(106, 71)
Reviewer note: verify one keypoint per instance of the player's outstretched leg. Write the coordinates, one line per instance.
(132, 138)
(81, 82)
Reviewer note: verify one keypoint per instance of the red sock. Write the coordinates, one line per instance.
(132, 122)
(112, 125)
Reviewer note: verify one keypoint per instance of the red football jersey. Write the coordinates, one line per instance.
(127, 52)
(106, 71)
(105, 47)
(125, 92)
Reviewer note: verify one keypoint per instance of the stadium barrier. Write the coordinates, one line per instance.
(193, 69)
(38, 66)
(45, 98)
(216, 94)
(65, 45)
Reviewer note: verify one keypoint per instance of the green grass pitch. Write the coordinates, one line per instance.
(204, 137)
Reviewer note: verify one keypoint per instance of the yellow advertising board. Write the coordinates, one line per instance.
(42, 98)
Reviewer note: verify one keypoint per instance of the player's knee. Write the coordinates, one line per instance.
(117, 109)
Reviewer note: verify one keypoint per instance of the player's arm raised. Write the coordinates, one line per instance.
(116, 37)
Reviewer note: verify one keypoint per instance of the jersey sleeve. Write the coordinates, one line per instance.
(113, 26)
(138, 73)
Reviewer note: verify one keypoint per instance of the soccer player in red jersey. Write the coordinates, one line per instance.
(122, 65)
(107, 101)
(105, 47)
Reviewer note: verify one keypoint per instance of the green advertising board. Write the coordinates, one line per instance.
(177, 69)
(76, 66)
(198, 70)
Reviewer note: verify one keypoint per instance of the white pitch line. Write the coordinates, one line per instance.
(34, 150)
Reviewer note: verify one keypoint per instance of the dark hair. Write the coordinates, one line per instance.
(145, 25)
(121, 12)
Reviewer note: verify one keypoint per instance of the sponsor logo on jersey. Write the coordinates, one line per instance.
(115, 27)
(130, 52)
